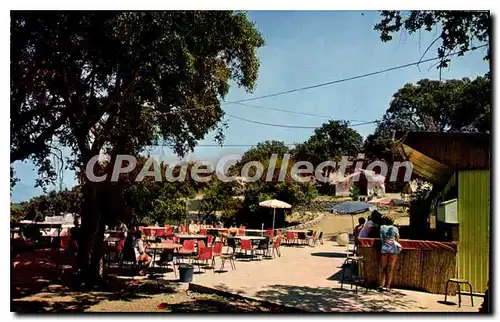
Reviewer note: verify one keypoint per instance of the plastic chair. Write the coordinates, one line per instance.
(187, 249)
(241, 230)
(264, 247)
(246, 245)
(167, 257)
(290, 236)
(217, 249)
(311, 240)
(204, 254)
(270, 233)
(203, 231)
(210, 239)
(276, 246)
(231, 242)
(201, 244)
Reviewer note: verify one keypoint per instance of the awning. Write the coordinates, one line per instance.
(426, 167)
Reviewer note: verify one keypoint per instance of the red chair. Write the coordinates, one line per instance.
(218, 249)
(276, 246)
(168, 231)
(210, 239)
(270, 233)
(187, 249)
(204, 254)
(203, 231)
(65, 242)
(290, 236)
(201, 244)
(160, 233)
(241, 231)
(246, 245)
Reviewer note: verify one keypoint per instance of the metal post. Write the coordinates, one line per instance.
(274, 216)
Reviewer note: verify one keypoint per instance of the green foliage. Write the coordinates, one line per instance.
(218, 196)
(354, 193)
(458, 28)
(123, 80)
(452, 105)
(52, 204)
(16, 213)
(329, 142)
(262, 153)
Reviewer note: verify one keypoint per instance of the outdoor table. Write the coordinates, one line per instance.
(162, 247)
(305, 231)
(249, 237)
(111, 239)
(253, 239)
(191, 236)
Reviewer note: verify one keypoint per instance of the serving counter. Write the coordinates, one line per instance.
(421, 265)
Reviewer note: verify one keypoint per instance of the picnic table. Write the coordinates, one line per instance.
(248, 237)
(305, 231)
(183, 237)
(162, 247)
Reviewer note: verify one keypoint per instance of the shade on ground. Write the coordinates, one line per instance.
(309, 278)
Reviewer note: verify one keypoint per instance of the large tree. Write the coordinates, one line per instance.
(434, 106)
(458, 29)
(329, 142)
(120, 81)
(429, 105)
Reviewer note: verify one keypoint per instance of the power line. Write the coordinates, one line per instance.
(290, 112)
(222, 145)
(349, 78)
(239, 102)
(289, 126)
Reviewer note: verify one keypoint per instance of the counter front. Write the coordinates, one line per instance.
(422, 265)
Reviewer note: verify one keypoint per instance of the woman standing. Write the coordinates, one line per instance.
(389, 236)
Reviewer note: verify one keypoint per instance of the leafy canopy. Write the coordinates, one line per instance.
(458, 28)
(329, 142)
(121, 81)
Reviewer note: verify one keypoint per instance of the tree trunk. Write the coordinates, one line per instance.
(90, 249)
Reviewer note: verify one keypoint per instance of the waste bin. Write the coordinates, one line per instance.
(186, 273)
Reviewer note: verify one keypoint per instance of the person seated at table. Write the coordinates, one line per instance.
(122, 227)
(191, 226)
(142, 257)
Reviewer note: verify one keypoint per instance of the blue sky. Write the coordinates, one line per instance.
(305, 48)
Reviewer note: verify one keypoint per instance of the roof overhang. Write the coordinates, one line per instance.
(426, 167)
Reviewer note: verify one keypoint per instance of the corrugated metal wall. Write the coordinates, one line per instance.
(474, 224)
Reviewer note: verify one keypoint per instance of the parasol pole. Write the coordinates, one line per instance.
(274, 215)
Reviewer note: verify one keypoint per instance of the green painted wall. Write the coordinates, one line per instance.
(474, 227)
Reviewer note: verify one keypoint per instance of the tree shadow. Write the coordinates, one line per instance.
(210, 306)
(330, 254)
(64, 299)
(322, 299)
(326, 299)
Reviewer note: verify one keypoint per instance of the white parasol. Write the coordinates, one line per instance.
(274, 203)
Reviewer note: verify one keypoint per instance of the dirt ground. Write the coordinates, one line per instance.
(138, 296)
